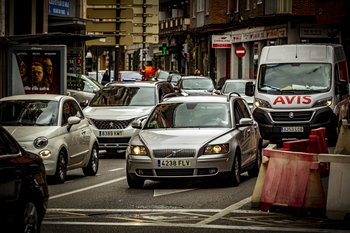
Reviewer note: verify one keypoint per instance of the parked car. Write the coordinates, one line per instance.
(237, 85)
(162, 75)
(201, 137)
(24, 191)
(129, 76)
(174, 78)
(117, 105)
(54, 127)
(83, 88)
(195, 85)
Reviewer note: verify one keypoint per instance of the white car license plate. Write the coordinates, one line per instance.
(292, 129)
(110, 133)
(174, 163)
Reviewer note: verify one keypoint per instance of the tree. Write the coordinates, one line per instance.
(156, 62)
(192, 52)
(136, 60)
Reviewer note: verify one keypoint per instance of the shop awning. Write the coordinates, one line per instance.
(46, 39)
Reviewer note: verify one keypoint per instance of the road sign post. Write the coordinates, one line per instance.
(240, 51)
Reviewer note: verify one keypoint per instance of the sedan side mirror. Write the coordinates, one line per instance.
(249, 89)
(84, 103)
(136, 124)
(73, 120)
(245, 121)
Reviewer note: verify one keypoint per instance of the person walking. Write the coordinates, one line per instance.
(106, 78)
(197, 72)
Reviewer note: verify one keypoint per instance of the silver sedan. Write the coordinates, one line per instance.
(195, 137)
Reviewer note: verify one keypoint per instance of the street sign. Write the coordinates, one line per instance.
(108, 41)
(240, 51)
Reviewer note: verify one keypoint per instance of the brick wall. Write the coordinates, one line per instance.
(328, 10)
(304, 7)
(218, 11)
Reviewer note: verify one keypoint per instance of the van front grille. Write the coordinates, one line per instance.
(291, 116)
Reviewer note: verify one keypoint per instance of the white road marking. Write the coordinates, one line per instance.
(226, 211)
(224, 227)
(161, 192)
(117, 169)
(160, 210)
(87, 188)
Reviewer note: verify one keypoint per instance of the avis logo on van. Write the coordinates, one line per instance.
(293, 99)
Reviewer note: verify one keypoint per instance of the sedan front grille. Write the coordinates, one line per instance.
(174, 172)
(108, 124)
(174, 153)
(298, 116)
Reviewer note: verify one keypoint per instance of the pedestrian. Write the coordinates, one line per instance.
(105, 78)
(197, 72)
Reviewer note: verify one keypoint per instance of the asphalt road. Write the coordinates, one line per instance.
(105, 203)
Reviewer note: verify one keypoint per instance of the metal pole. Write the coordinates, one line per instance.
(116, 72)
(143, 38)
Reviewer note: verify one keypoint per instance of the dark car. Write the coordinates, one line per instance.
(24, 192)
(195, 85)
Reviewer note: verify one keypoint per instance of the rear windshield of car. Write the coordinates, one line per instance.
(197, 84)
(235, 86)
(29, 113)
(190, 115)
(125, 96)
(130, 76)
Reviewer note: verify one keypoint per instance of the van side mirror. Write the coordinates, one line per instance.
(342, 88)
(249, 89)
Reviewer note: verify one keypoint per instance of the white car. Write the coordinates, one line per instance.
(238, 85)
(195, 137)
(54, 127)
(119, 103)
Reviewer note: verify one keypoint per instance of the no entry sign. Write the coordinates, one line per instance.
(240, 51)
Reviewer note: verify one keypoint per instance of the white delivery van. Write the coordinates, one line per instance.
(300, 87)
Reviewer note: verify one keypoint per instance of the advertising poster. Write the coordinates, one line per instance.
(37, 70)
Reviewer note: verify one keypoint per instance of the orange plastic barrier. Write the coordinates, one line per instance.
(292, 180)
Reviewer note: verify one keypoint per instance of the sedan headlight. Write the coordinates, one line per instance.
(138, 150)
(40, 142)
(262, 103)
(45, 153)
(323, 102)
(216, 149)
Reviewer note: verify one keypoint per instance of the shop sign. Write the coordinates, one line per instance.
(58, 7)
(282, 32)
(236, 38)
(223, 41)
(314, 32)
(271, 34)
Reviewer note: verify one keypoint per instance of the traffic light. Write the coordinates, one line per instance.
(163, 48)
(185, 48)
(187, 57)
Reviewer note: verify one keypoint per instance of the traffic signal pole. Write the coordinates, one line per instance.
(116, 47)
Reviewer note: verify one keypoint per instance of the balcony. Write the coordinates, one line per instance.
(172, 25)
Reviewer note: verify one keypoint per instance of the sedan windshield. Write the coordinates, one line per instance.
(190, 115)
(197, 84)
(29, 113)
(125, 96)
(293, 77)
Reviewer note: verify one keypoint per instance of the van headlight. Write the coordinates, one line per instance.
(216, 149)
(138, 150)
(323, 102)
(262, 104)
(40, 142)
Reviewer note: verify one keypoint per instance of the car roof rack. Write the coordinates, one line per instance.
(232, 92)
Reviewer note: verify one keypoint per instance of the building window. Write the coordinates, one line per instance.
(207, 7)
(278, 6)
(194, 9)
(247, 6)
(237, 5)
(228, 6)
(200, 13)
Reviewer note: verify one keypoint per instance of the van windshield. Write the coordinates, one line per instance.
(294, 78)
